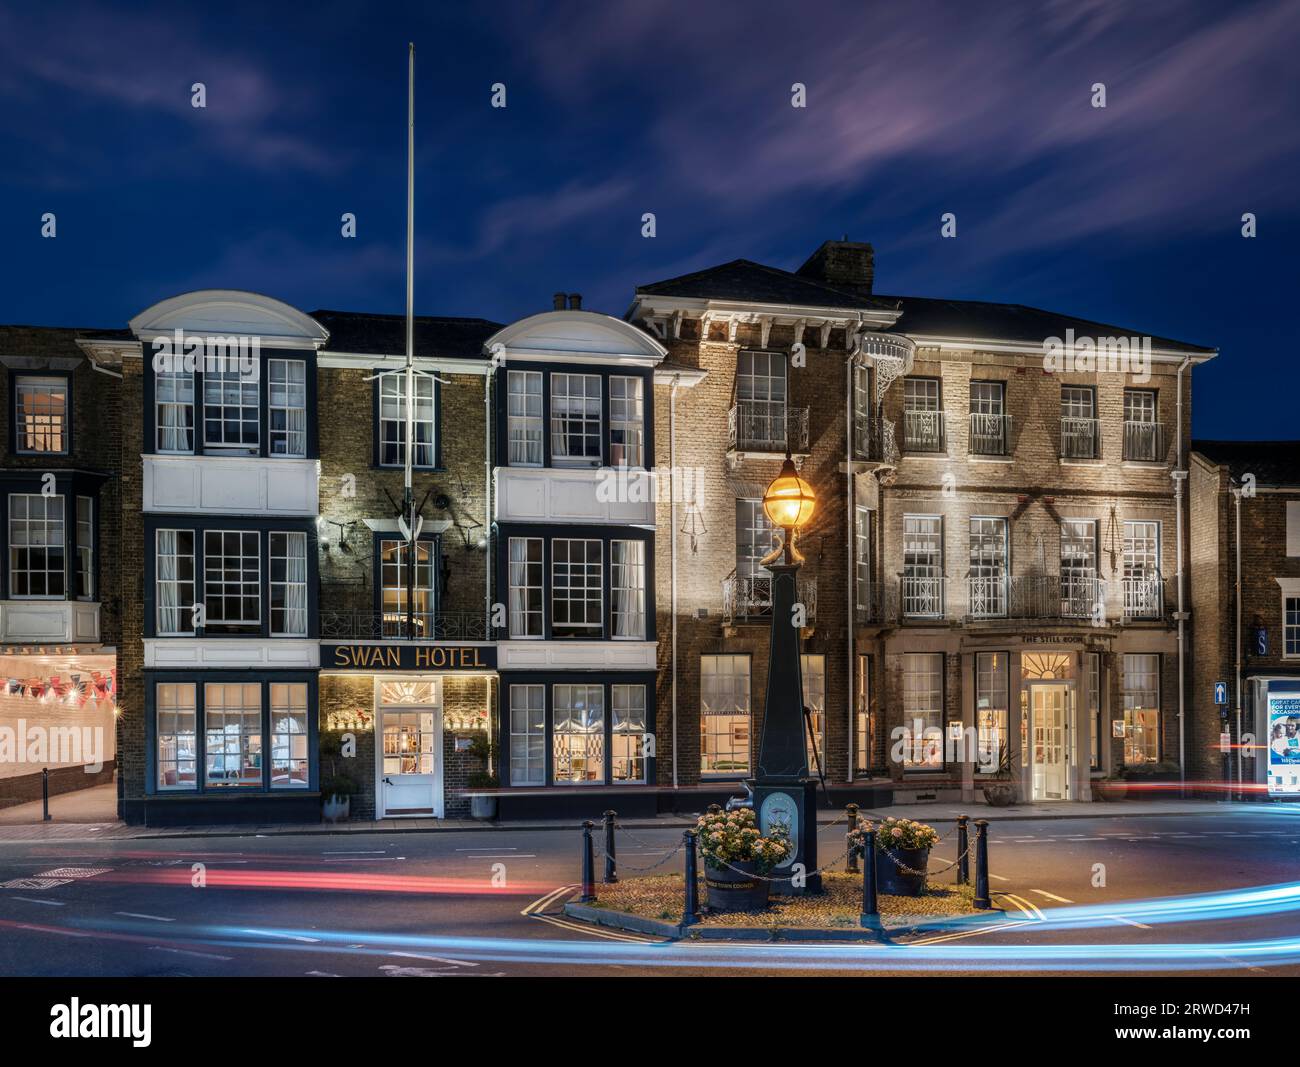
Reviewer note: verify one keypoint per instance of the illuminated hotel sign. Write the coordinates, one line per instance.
(408, 656)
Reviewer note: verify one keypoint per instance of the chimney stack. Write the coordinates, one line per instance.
(575, 301)
(558, 301)
(844, 264)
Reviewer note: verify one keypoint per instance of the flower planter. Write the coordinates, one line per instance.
(1001, 794)
(735, 888)
(897, 883)
(336, 807)
(483, 807)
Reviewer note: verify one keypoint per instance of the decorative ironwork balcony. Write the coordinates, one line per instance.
(922, 597)
(396, 626)
(1144, 442)
(990, 434)
(1050, 596)
(987, 597)
(872, 605)
(1078, 438)
(1144, 598)
(767, 426)
(750, 599)
(873, 439)
(923, 431)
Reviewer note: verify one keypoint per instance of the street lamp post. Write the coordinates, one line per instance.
(782, 790)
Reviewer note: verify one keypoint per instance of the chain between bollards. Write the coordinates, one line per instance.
(851, 814)
(45, 793)
(691, 908)
(611, 863)
(870, 916)
(588, 865)
(963, 858)
(982, 865)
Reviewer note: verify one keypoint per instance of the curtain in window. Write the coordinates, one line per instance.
(169, 610)
(627, 560)
(519, 584)
(295, 593)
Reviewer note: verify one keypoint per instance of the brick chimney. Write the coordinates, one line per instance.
(558, 301)
(575, 301)
(844, 264)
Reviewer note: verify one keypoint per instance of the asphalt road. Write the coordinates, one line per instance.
(1107, 895)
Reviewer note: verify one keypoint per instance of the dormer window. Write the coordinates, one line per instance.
(41, 415)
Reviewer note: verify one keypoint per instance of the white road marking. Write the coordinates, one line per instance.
(999, 877)
(188, 952)
(1131, 922)
(433, 959)
(363, 859)
(321, 974)
(139, 915)
(355, 852)
(51, 903)
(291, 937)
(1051, 896)
(500, 848)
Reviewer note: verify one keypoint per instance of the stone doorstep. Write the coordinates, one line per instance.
(638, 924)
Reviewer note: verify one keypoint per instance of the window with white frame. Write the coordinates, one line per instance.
(862, 562)
(232, 729)
(760, 417)
(864, 720)
(724, 715)
(394, 561)
(174, 581)
(1080, 589)
(755, 539)
(1143, 595)
(578, 733)
(37, 547)
(527, 734)
(288, 562)
(1078, 422)
(575, 420)
(524, 573)
(524, 417)
(992, 709)
(173, 396)
(923, 422)
(289, 758)
(1290, 626)
(1141, 708)
(923, 584)
(230, 410)
(232, 580)
(287, 407)
(41, 415)
(923, 711)
(1142, 438)
(85, 548)
(863, 428)
(626, 422)
(577, 595)
(627, 735)
(813, 669)
(988, 568)
(1092, 663)
(392, 420)
(988, 419)
(176, 736)
(627, 579)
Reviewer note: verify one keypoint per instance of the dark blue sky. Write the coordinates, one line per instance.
(1129, 214)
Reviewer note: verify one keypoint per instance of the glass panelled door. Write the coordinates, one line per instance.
(1049, 727)
(409, 782)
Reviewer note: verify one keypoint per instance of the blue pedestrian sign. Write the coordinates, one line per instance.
(1220, 692)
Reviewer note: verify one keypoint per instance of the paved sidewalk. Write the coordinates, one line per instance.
(65, 829)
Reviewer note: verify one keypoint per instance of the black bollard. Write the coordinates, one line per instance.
(963, 845)
(851, 813)
(45, 792)
(611, 866)
(870, 916)
(588, 865)
(982, 865)
(691, 910)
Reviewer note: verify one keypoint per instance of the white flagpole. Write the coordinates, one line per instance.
(408, 491)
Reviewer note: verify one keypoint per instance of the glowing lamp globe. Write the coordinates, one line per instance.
(789, 500)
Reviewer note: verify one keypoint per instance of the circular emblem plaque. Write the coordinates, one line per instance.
(780, 808)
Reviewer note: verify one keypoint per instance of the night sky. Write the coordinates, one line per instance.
(1129, 214)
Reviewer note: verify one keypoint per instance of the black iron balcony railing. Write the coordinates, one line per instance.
(767, 426)
(1144, 442)
(750, 599)
(922, 597)
(1078, 438)
(990, 434)
(397, 626)
(873, 439)
(987, 597)
(923, 431)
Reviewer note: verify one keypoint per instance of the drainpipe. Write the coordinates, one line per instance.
(1236, 631)
(672, 548)
(851, 585)
(1180, 476)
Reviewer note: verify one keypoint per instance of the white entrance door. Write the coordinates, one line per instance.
(410, 762)
(1050, 743)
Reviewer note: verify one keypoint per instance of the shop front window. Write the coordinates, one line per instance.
(578, 734)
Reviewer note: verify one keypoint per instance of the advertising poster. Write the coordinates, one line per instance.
(1284, 744)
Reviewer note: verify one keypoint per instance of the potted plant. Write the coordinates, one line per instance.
(336, 787)
(737, 859)
(1002, 787)
(902, 856)
(483, 807)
